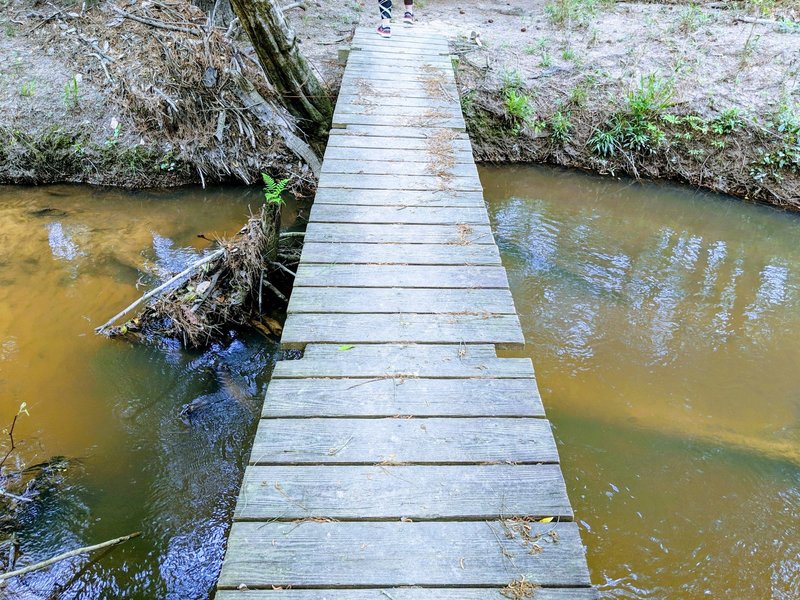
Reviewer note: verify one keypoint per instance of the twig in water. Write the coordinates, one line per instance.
(283, 268)
(66, 555)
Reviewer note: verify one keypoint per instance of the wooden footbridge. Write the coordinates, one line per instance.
(400, 458)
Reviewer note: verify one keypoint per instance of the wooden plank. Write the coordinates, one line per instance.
(461, 147)
(402, 276)
(392, 397)
(406, 361)
(345, 119)
(384, 100)
(389, 300)
(422, 215)
(417, 112)
(388, 131)
(394, 167)
(373, 233)
(421, 155)
(397, 197)
(407, 89)
(404, 593)
(397, 300)
(407, 254)
(432, 440)
(397, 45)
(402, 60)
(390, 69)
(397, 553)
(390, 493)
(400, 182)
(485, 328)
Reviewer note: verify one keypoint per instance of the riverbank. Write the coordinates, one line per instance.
(707, 95)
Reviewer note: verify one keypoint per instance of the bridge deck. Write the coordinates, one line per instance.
(401, 458)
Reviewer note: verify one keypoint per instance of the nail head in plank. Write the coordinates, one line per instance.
(471, 493)
(403, 440)
(313, 554)
(391, 397)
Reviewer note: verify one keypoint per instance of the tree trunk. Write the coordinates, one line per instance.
(286, 69)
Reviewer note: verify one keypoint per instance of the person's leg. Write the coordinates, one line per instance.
(385, 7)
(408, 17)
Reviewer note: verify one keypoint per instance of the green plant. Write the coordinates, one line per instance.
(560, 127)
(71, 95)
(273, 189)
(511, 79)
(636, 128)
(27, 89)
(518, 105)
(692, 18)
(546, 60)
(570, 13)
(728, 122)
(568, 53)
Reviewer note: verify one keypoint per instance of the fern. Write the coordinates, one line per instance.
(273, 189)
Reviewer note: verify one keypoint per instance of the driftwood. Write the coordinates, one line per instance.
(180, 276)
(51, 561)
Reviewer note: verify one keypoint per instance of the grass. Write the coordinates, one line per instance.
(27, 89)
(571, 13)
(692, 18)
(636, 127)
(560, 128)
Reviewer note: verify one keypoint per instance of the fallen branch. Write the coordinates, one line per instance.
(275, 291)
(66, 555)
(153, 22)
(185, 273)
(291, 234)
(283, 268)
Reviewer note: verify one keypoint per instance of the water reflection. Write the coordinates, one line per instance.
(156, 436)
(663, 326)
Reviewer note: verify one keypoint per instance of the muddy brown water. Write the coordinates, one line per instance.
(663, 325)
(70, 257)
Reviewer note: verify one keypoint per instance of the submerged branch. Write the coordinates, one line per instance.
(66, 555)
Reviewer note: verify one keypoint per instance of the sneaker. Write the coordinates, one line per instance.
(385, 31)
(408, 18)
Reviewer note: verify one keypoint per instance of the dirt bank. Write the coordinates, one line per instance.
(708, 94)
(704, 94)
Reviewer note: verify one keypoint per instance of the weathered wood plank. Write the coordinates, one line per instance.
(404, 593)
(403, 440)
(461, 147)
(377, 99)
(402, 276)
(345, 120)
(420, 155)
(388, 69)
(403, 60)
(397, 197)
(429, 183)
(415, 112)
(303, 328)
(469, 493)
(398, 131)
(404, 361)
(406, 89)
(397, 46)
(435, 167)
(372, 233)
(392, 397)
(398, 300)
(398, 553)
(407, 254)
(422, 215)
